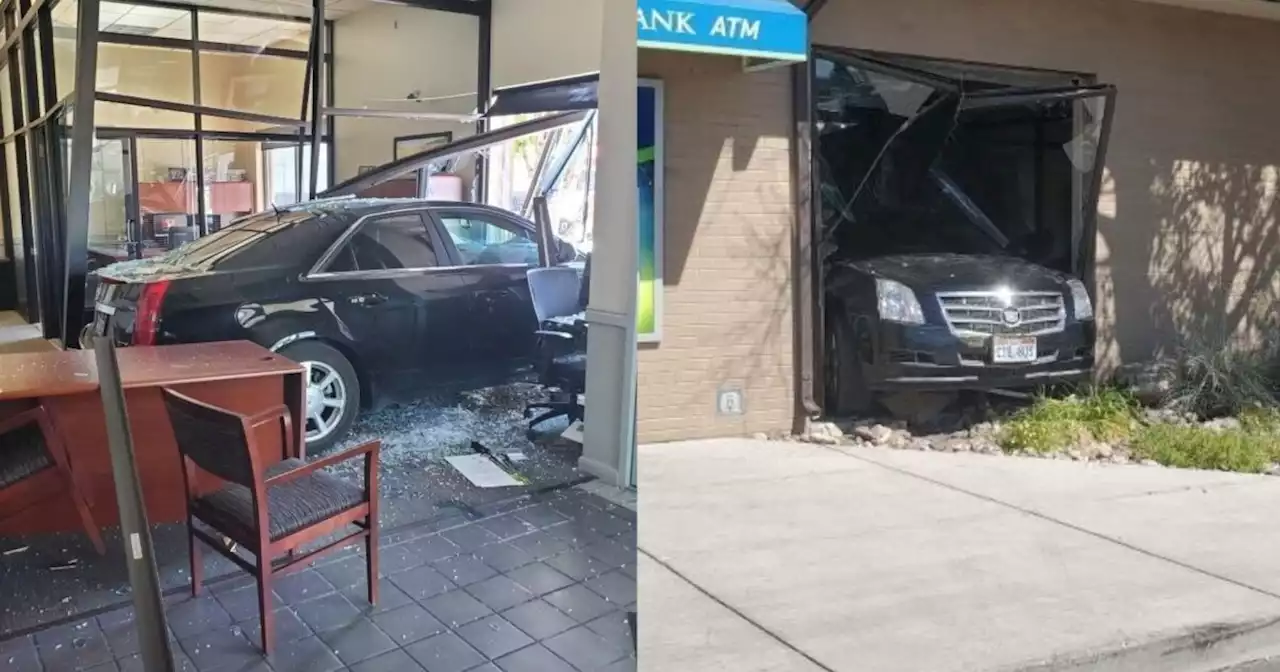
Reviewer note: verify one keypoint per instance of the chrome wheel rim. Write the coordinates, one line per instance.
(326, 400)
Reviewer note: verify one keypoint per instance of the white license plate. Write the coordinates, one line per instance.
(1006, 350)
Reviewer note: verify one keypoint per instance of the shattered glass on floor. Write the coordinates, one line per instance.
(415, 483)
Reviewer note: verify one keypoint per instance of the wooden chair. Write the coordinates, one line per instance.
(269, 510)
(35, 465)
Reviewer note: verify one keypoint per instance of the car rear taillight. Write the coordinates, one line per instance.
(146, 322)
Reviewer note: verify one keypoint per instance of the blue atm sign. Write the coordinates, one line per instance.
(772, 29)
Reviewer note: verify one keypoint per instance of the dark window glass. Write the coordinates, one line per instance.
(483, 240)
(392, 242)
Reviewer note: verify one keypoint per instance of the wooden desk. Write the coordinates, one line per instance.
(236, 375)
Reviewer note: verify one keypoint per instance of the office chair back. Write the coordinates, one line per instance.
(554, 291)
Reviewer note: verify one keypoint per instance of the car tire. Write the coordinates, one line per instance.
(844, 382)
(333, 393)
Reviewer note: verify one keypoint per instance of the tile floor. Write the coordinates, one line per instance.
(544, 587)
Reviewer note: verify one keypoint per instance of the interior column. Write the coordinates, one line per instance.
(609, 431)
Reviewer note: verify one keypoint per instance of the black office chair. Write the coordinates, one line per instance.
(563, 357)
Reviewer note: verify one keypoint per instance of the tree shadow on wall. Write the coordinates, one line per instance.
(1214, 258)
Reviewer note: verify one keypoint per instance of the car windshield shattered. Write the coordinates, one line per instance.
(919, 158)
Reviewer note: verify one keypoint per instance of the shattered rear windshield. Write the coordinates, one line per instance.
(246, 243)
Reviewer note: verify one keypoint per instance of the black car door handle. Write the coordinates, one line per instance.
(371, 299)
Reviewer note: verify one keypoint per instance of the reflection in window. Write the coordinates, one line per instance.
(387, 243)
(253, 31)
(256, 83)
(146, 72)
(127, 18)
(482, 242)
(108, 188)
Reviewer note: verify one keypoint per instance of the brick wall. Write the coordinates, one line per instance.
(1188, 240)
(729, 217)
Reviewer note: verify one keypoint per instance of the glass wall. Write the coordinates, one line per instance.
(198, 112)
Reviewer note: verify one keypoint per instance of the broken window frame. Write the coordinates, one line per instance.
(1086, 195)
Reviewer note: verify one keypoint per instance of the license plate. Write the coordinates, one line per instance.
(1006, 350)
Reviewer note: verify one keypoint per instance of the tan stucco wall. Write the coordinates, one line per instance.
(1188, 239)
(727, 246)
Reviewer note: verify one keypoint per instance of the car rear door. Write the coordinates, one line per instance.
(390, 295)
(493, 253)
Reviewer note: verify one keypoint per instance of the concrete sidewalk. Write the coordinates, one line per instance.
(778, 556)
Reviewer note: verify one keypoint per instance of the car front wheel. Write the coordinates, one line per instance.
(333, 393)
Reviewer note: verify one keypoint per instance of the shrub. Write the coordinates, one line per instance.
(1057, 424)
(1218, 379)
(1252, 448)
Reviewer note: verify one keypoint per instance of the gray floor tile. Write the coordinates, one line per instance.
(304, 655)
(536, 658)
(328, 612)
(577, 565)
(301, 586)
(579, 603)
(539, 619)
(464, 569)
(627, 664)
(432, 548)
(289, 627)
(614, 628)
(506, 527)
(395, 559)
(494, 636)
(445, 653)
(615, 587)
(394, 661)
(181, 663)
(21, 660)
(408, 624)
(222, 648)
(456, 608)
(499, 593)
(421, 583)
(240, 603)
(67, 632)
(503, 556)
(81, 650)
(344, 573)
(540, 515)
(109, 666)
(540, 544)
(539, 578)
(612, 553)
(389, 597)
(584, 649)
(192, 616)
(357, 641)
(487, 667)
(469, 537)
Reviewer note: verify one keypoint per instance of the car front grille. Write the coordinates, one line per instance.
(984, 313)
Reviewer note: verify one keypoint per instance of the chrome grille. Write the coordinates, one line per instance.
(983, 313)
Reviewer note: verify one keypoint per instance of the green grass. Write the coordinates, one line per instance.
(1251, 448)
(1050, 425)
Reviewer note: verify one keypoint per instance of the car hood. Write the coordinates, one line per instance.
(961, 272)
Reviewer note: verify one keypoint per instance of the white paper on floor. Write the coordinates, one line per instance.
(481, 471)
(573, 432)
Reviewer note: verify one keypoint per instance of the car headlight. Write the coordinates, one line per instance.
(1080, 299)
(897, 303)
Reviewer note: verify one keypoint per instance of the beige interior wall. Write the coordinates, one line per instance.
(535, 40)
(384, 53)
(1188, 242)
(729, 215)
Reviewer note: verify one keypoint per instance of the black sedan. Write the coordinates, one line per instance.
(362, 291)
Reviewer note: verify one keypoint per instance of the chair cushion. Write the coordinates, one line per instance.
(291, 506)
(22, 454)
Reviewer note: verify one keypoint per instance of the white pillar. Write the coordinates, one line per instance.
(609, 431)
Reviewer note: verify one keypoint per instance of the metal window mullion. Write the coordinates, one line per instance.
(80, 171)
(484, 91)
(317, 57)
(197, 97)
